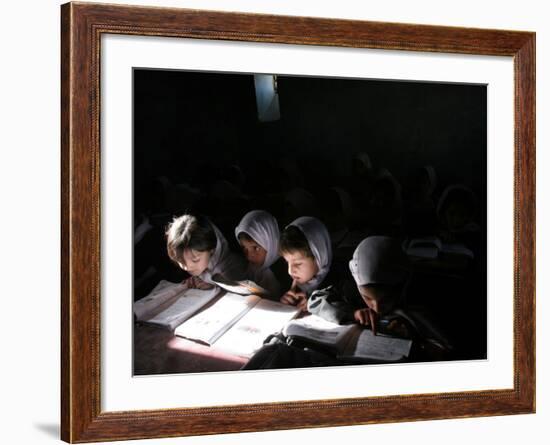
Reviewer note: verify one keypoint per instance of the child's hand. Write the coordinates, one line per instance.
(295, 298)
(366, 317)
(197, 283)
(399, 329)
(289, 298)
(302, 301)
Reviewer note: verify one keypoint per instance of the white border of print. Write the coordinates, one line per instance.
(120, 391)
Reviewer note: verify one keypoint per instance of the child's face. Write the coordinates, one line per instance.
(195, 261)
(301, 268)
(255, 254)
(456, 216)
(381, 299)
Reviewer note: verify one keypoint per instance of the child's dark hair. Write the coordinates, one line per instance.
(293, 239)
(189, 232)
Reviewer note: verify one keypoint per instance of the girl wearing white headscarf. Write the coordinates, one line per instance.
(379, 268)
(306, 247)
(258, 235)
(380, 272)
(385, 203)
(199, 248)
(376, 260)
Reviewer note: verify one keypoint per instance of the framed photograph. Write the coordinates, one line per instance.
(397, 162)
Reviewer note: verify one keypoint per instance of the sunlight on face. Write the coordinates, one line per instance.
(255, 254)
(194, 261)
(300, 267)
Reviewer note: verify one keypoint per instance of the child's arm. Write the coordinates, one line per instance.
(197, 283)
(329, 304)
(366, 317)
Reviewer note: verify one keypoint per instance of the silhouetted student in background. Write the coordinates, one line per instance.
(380, 273)
(181, 197)
(305, 246)
(385, 204)
(419, 212)
(360, 185)
(297, 202)
(235, 175)
(145, 270)
(337, 213)
(456, 212)
(199, 248)
(258, 236)
(288, 175)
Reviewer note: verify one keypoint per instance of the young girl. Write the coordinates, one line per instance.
(305, 245)
(385, 204)
(199, 248)
(258, 235)
(379, 269)
(419, 207)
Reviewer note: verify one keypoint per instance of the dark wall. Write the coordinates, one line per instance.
(189, 119)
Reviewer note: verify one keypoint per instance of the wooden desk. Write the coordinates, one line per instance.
(159, 351)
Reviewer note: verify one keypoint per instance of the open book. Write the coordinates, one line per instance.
(349, 342)
(237, 324)
(432, 247)
(170, 304)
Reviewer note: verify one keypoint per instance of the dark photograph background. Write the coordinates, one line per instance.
(353, 152)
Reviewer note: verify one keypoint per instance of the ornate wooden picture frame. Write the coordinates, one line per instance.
(82, 25)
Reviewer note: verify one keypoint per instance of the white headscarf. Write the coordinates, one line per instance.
(263, 228)
(318, 239)
(222, 261)
(378, 260)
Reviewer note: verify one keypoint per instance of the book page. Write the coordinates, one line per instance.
(243, 287)
(210, 324)
(248, 334)
(156, 299)
(319, 330)
(378, 347)
(185, 305)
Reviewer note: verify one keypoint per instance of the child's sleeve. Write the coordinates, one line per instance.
(328, 304)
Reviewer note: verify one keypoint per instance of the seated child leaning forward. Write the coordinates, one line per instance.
(380, 270)
(305, 246)
(197, 246)
(258, 235)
